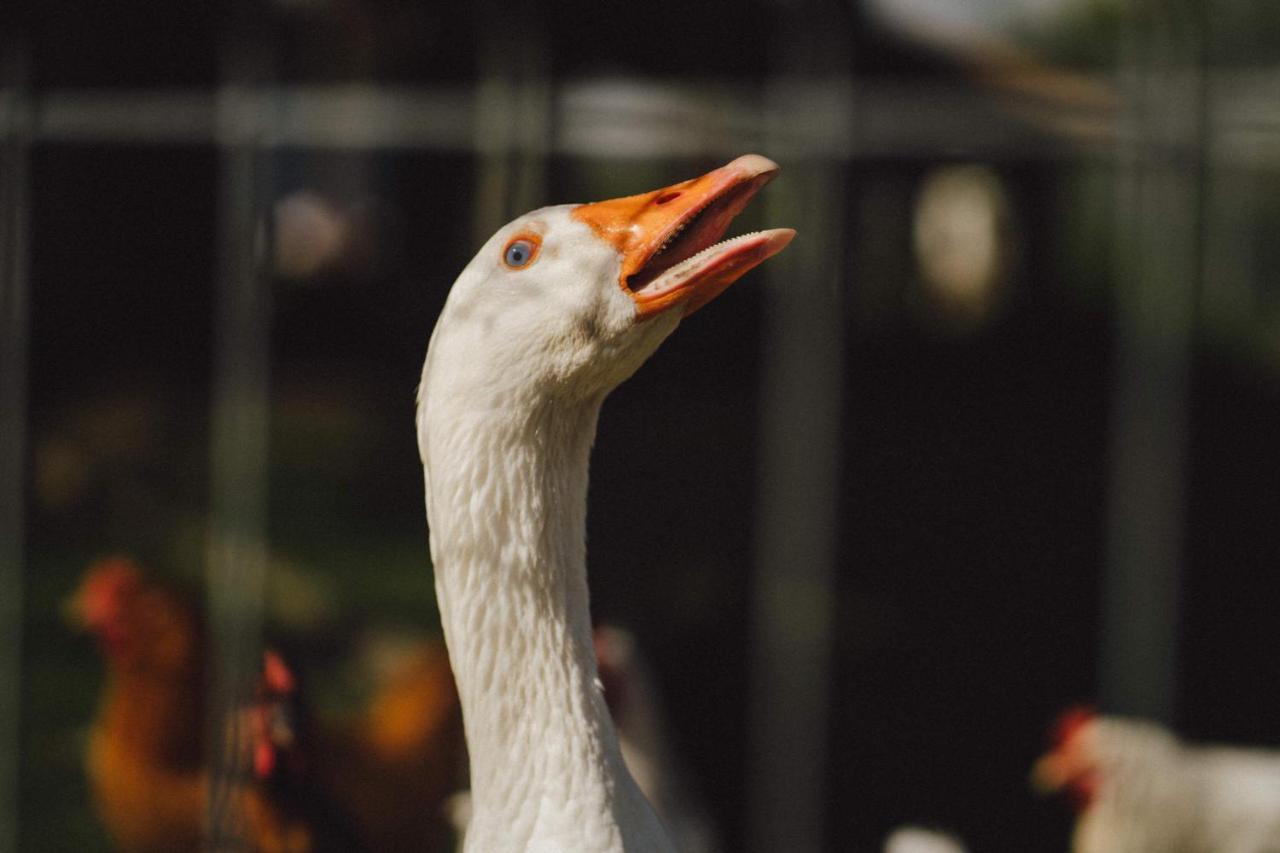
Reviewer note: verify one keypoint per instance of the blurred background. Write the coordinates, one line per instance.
(995, 436)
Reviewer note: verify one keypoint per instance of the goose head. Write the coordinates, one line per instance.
(566, 302)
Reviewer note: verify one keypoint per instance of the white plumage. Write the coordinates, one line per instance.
(555, 311)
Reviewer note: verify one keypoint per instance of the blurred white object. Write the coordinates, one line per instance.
(1139, 789)
(962, 241)
(913, 839)
(457, 810)
(310, 234)
(962, 20)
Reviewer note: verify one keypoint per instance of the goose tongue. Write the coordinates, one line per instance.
(667, 237)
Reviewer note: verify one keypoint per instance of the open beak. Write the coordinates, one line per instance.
(667, 238)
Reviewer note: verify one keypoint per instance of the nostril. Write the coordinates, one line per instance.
(666, 197)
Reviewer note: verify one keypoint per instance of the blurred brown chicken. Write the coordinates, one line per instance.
(146, 746)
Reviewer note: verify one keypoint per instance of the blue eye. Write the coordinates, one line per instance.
(520, 252)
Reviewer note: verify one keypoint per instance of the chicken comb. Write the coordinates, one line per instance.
(1070, 722)
(105, 583)
(276, 675)
(270, 717)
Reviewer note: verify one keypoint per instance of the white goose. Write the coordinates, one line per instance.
(556, 310)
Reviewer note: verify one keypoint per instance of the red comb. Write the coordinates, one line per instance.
(104, 584)
(1070, 722)
(110, 573)
(276, 674)
(264, 759)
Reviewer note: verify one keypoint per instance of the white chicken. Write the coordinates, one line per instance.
(1139, 789)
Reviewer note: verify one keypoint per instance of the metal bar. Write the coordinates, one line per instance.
(630, 119)
(636, 119)
(236, 561)
(511, 127)
(14, 215)
(798, 486)
(1159, 202)
(797, 491)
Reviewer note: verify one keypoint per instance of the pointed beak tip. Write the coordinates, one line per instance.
(781, 238)
(775, 240)
(754, 165)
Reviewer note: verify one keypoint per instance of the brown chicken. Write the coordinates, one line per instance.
(146, 752)
(146, 746)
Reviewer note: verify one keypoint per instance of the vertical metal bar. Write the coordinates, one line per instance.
(800, 413)
(1159, 224)
(237, 544)
(15, 135)
(512, 127)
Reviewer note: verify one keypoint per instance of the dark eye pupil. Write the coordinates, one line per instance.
(518, 253)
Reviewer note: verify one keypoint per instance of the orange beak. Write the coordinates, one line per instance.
(667, 238)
